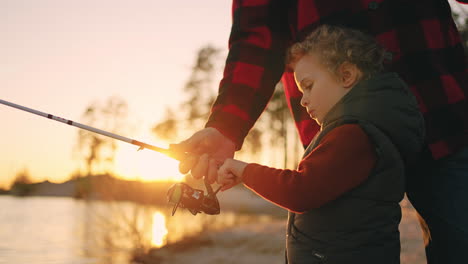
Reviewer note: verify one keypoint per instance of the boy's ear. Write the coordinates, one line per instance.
(349, 74)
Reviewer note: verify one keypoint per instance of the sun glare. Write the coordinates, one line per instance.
(145, 165)
(159, 230)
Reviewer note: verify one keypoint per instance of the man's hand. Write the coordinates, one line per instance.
(230, 173)
(209, 148)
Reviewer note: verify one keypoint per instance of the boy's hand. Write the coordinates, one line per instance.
(230, 173)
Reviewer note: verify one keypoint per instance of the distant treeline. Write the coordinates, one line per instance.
(102, 187)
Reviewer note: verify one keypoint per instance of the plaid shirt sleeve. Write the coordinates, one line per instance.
(255, 63)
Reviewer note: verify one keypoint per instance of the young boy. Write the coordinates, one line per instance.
(343, 199)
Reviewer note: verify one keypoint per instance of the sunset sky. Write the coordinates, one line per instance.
(59, 56)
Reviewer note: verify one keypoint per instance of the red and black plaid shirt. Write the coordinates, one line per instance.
(421, 35)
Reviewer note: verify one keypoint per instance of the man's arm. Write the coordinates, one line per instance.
(255, 63)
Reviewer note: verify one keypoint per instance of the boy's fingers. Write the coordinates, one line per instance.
(226, 182)
(221, 174)
(228, 185)
(225, 177)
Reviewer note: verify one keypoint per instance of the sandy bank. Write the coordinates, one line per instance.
(263, 242)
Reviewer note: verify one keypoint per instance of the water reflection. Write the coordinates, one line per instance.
(159, 230)
(64, 230)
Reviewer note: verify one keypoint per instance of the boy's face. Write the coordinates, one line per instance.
(321, 89)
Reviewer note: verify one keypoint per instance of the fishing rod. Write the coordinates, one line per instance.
(180, 194)
(142, 145)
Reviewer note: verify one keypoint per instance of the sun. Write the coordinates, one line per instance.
(145, 165)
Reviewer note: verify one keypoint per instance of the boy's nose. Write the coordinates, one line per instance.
(303, 102)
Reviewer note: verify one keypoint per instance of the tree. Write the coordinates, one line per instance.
(277, 113)
(195, 110)
(96, 149)
(22, 185)
(196, 107)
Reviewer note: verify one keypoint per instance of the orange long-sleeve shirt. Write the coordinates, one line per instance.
(343, 160)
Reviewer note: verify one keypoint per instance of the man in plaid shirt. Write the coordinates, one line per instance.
(425, 49)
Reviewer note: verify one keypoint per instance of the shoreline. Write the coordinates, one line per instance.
(264, 242)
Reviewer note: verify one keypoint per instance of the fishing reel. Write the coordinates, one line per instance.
(195, 200)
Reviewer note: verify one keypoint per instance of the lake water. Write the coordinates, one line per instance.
(53, 230)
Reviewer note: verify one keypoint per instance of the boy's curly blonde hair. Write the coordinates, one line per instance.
(335, 45)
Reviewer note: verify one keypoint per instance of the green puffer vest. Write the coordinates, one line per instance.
(361, 226)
